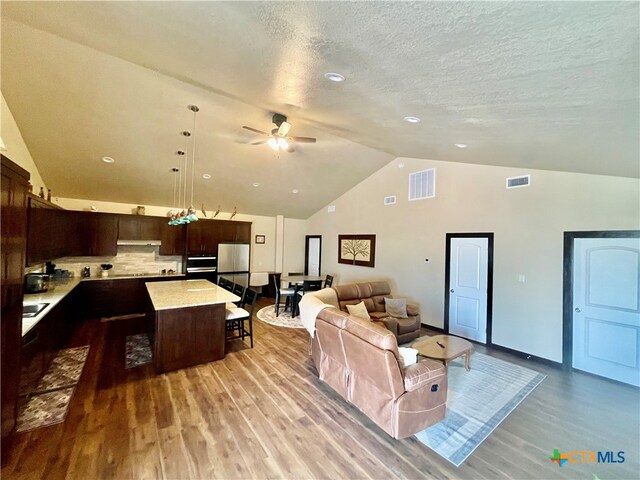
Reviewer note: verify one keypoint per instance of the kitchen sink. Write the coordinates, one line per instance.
(29, 311)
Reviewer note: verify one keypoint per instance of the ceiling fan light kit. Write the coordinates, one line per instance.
(278, 139)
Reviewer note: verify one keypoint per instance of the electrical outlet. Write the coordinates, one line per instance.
(521, 278)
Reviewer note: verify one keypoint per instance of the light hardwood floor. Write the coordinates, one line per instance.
(263, 413)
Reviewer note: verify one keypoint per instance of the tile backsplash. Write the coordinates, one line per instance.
(130, 259)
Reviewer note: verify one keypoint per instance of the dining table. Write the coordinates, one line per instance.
(298, 280)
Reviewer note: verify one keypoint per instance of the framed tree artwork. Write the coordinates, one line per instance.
(357, 250)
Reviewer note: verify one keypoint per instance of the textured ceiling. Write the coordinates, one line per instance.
(551, 85)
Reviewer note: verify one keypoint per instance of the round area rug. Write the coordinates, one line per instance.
(268, 315)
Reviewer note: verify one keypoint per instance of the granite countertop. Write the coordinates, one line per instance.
(60, 288)
(187, 293)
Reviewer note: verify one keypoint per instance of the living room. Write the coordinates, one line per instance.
(577, 145)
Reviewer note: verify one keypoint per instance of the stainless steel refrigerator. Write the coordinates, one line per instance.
(233, 262)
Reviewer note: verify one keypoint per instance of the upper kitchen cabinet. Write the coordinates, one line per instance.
(139, 227)
(47, 231)
(172, 238)
(203, 237)
(98, 233)
(235, 232)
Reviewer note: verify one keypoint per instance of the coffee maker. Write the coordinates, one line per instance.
(86, 272)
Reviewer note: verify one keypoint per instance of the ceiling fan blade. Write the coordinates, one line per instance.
(254, 130)
(284, 129)
(260, 142)
(304, 139)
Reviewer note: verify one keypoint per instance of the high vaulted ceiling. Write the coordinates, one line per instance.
(551, 85)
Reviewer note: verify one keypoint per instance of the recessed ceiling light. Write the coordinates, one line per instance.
(256, 184)
(334, 77)
(295, 190)
(412, 119)
(206, 176)
(108, 160)
(461, 145)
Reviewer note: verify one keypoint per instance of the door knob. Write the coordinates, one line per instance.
(452, 291)
(577, 310)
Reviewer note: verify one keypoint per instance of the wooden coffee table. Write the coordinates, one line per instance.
(445, 348)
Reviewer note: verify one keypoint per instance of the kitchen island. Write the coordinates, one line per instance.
(188, 325)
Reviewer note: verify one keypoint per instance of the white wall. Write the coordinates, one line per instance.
(16, 149)
(294, 233)
(528, 224)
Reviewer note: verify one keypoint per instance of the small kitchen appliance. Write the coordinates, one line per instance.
(36, 282)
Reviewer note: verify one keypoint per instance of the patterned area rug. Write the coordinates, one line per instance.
(57, 385)
(268, 315)
(137, 351)
(477, 402)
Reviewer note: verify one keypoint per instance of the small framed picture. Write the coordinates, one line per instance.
(259, 238)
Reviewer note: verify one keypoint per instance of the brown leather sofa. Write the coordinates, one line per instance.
(359, 359)
(373, 293)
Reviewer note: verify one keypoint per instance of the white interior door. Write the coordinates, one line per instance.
(313, 259)
(606, 307)
(468, 271)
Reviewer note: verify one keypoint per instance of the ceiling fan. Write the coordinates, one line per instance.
(278, 139)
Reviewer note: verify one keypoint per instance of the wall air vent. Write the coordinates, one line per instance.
(422, 184)
(391, 200)
(517, 182)
(331, 208)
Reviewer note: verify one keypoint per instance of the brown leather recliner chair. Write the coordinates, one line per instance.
(359, 359)
(373, 294)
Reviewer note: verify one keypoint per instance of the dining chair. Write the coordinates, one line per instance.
(328, 281)
(226, 284)
(236, 317)
(288, 293)
(307, 286)
(291, 274)
(238, 289)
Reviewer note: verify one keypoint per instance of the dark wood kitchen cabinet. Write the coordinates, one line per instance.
(111, 298)
(15, 185)
(173, 238)
(46, 232)
(204, 236)
(99, 233)
(139, 227)
(235, 232)
(41, 344)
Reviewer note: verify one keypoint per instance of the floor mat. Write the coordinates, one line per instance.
(56, 386)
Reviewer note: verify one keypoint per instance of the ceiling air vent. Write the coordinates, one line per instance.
(517, 182)
(422, 184)
(391, 200)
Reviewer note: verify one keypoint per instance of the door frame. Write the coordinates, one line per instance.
(306, 253)
(447, 278)
(567, 285)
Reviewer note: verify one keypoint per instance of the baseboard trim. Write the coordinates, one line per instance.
(526, 356)
(431, 327)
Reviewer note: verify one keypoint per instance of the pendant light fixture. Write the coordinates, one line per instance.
(186, 215)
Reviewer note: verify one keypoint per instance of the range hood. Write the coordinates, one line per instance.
(140, 242)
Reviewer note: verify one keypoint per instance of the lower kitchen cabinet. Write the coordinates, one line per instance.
(111, 298)
(41, 344)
